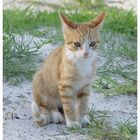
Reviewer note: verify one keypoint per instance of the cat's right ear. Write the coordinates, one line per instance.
(97, 22)
(67, 23)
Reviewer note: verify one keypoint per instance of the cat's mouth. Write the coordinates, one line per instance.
(81, 58)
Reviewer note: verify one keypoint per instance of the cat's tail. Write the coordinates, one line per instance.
(40, 115)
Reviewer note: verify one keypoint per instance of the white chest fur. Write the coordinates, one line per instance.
(85, 69)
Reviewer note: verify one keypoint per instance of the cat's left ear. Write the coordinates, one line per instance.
(67, 23)
(97, 22)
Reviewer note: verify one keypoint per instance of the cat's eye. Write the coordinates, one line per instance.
(77, 44)
(92, 44)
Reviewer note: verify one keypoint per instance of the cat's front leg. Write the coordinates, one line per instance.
(83, 97)
(69, 103)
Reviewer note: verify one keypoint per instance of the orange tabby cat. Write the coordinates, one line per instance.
(65, 78)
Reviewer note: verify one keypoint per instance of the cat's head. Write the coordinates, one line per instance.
(82, 40)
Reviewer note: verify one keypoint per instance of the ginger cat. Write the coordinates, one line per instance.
(64, 80)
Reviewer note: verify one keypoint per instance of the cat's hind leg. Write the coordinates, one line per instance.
(41, 115)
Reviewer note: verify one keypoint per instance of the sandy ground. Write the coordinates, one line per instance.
(18, 122)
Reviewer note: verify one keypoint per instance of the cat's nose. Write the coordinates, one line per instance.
(86, 54)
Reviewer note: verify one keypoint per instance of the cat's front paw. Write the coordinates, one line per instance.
(85, 120)
(56, 117)
(73, 124)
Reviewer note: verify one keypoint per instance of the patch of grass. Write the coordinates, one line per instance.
(100, 128)
(118, 73)
(126, 130)
(19, 57)
(128, 52)
(75, 129)
(26, 20)
(109, 86)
